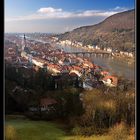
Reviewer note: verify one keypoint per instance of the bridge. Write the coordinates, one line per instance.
(101, 53)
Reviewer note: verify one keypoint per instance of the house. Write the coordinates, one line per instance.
(68, 42)
(54, 68)
(109, 49)
(110, 81)
(67, 61)
(104, 73)
(97, 48)
(89, 46)
(65, 69)
(126, 53)
(130, 54)
(79, 44)
(121, 52)
(11, 51)
(46, 104)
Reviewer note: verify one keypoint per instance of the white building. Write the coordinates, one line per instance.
(97, 48)
(90, 47)
(109, 49)
(130, 55)
(121, 52)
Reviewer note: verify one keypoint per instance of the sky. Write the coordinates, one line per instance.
(59, 16)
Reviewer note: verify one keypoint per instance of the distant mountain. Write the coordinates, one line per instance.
(116, 31)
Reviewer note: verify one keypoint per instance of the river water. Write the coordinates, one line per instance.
(113, 65)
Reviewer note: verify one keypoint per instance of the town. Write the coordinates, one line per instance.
(46, 84)
(69, 70)
(34, 54)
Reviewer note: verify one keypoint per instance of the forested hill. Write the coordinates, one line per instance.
(116, 31)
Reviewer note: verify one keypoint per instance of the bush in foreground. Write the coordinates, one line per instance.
(119, 132)
(10, 133)
(88, 131)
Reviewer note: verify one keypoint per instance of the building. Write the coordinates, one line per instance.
(47, 104)
(110, 81)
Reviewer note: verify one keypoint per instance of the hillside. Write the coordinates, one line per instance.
(116, 31)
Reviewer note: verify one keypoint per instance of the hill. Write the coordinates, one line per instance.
(116, 31)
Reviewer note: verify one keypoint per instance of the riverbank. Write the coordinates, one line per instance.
(130, 61)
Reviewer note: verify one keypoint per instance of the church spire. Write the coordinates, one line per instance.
(23, 43)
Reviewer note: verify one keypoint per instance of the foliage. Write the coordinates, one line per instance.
(119, 132)
(105, 109)
(132, 134)
(69, 102)
(10, 133)
(88, 130)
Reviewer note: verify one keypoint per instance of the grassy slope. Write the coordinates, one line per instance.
(35, 130)
(41, 130)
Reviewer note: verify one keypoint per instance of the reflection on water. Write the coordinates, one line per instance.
(114, 65)
(120, 68)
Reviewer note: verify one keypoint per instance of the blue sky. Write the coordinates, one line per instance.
(59, 16)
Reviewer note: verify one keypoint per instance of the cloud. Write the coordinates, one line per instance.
(97, 13)
(52, 13)
(118, 8)
(49, 10)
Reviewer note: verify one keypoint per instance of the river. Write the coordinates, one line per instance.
(113, 65)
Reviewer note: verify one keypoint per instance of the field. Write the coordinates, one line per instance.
(19, 128)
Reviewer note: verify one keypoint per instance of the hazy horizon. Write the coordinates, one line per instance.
(47, 16)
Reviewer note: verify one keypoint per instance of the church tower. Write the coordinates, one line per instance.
(23, 43)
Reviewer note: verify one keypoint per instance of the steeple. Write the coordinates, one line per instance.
(23, 43)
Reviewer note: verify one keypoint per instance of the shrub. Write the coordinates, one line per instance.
(132, 134)
(76, 130)
(119, 132)
(10, 133)
(88, 131)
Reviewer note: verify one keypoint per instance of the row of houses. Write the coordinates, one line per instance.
(128, 54)
(79, 44)
(96, 47)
